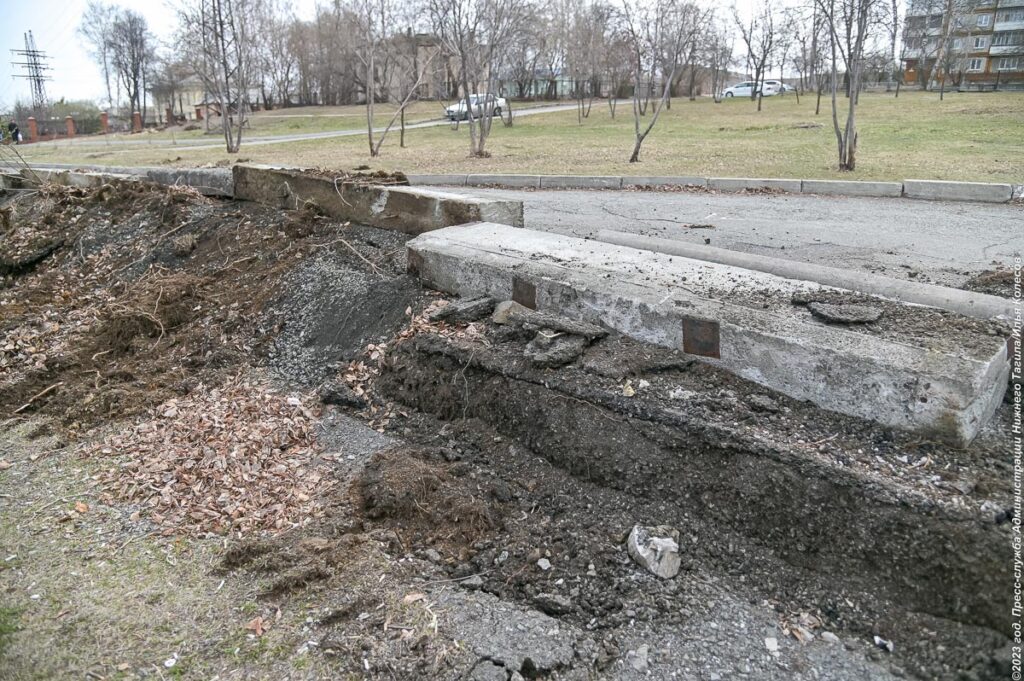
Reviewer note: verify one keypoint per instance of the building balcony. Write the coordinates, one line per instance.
(1006, 50)
(1009, 26)
(1006, 4)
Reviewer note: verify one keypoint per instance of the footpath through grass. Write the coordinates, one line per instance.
(975, 137)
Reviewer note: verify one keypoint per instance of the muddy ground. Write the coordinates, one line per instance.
(239, 443)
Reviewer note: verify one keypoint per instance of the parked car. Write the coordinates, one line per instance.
(480, 103)
(748, 87)
(779, 86)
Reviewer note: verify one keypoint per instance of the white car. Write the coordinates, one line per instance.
(480, 103)
(779, 87)
(748, 88)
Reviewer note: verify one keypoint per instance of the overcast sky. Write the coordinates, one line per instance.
(54, 23)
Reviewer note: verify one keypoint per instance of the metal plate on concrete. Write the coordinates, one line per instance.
(524, 293)
(701, 337)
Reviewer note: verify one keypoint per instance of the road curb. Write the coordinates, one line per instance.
(933, 190)
(213, 181)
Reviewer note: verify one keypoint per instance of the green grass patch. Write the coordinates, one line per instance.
(968, 136)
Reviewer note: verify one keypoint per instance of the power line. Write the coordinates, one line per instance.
(34, 66)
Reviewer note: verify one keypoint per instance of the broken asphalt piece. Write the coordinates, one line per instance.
(463, 310)
(511, 312)
(552, 604)
(655, 548)
(340, 394)
(844, 314)
(551, 349)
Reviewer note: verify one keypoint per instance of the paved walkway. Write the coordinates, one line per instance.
(943, 242)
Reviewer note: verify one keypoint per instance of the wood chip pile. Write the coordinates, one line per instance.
(238, 460)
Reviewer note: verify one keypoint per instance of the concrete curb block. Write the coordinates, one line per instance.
(445, 180)
(941, 190)
(71, 178)
(967, 303)
(398, 207)
(209, 181)
(664, 181)
(852, 188)
(902, 379)
(213, 182)
(531, 181)
(580, 182)
(735, 184)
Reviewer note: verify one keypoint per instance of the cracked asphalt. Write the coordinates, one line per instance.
(942, 242)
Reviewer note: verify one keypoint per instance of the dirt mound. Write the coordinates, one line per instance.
(121, 297)
(992, 282)
(421, 491)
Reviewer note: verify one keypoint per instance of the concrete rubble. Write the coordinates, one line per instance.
(655, 548)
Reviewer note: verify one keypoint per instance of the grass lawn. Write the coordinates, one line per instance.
(975, 137)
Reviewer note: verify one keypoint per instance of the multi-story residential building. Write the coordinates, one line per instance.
(969, 44)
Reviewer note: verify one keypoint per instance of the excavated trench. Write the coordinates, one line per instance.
(831, 511)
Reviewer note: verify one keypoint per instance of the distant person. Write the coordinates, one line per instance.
(12, 128)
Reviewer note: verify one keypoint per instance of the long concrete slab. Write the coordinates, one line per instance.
(968, 303)
(918, 368)
(401, 208)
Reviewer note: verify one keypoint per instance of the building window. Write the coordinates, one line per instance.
(1008, 38)
(958, 44)
(984, 20)
(976, 64)
(1010, 15)
(1009, 64)
(981, 42)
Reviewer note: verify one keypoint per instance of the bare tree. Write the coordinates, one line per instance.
(97, 28)
(131, 51)
(718, 56)
(758, 35)
(664, 30)
(223, 54)
(473, 31)
(854, 18)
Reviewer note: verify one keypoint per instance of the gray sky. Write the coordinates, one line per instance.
(54, 24)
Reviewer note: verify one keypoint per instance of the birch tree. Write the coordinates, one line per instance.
(223, 56)
(473, 31)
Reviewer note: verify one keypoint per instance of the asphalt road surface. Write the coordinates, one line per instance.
(941, 242)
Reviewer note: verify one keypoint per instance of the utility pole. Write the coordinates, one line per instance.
(34, 66)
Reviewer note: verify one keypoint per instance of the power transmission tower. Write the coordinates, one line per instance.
(34, 67)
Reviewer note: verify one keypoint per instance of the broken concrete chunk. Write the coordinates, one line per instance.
(655, 548)
(511, 312)
(844, 314)
(463, 310)
(503, 311)
(550, 349)
(526, 316)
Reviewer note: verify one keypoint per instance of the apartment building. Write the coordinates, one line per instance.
(969, 44)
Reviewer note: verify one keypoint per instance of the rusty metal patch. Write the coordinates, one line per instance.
(413, 262)
(524, 293)
(701, 337)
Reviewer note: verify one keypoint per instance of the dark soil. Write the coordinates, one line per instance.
(993, 282)
(119, 317)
